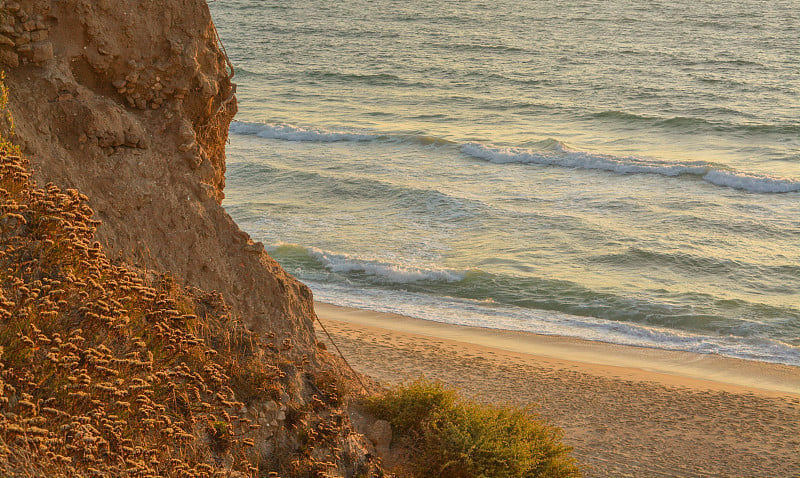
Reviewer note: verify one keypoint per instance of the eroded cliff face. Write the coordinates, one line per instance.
(129, 101)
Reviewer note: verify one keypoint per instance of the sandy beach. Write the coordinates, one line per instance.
(627, 411)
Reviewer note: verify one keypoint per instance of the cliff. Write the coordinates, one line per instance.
(122, 108)
(129, 101)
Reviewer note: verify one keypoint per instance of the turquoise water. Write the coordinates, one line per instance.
(626, 172)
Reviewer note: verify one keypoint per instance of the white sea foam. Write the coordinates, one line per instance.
(552, 152)
(752, 182)
(289, 132)
(481, 314)
(392, 273)
(560, 155)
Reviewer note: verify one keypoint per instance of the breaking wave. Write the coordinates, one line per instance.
(560, 155)
(295, 133)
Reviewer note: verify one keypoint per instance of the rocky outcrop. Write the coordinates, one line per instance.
(129, 101)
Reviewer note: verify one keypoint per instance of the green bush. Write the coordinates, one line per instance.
(449, 437)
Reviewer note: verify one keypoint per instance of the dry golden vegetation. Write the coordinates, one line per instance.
(110, 371)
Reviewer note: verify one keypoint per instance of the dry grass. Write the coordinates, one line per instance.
(105, 373)
(109, 371)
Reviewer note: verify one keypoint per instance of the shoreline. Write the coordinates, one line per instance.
(626, 411)
(668, 367)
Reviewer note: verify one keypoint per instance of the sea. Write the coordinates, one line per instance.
(624, 171)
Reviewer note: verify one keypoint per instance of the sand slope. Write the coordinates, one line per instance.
(622, 420)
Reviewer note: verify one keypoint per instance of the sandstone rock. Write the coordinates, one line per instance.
(134, 136)
(186, 132)
(188, 146)
(42, 51)
(39, 35)
(254, 248)
(23, 38)
(209, 191)
(359, 421)
(157, 199)
(9, 58)
(4, 40)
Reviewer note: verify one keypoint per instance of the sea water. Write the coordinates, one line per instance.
(621, 171)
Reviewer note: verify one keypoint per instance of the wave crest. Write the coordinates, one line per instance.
(560, 155)
(387, 272)
(290, 132)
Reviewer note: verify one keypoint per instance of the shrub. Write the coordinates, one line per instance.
(451, 437)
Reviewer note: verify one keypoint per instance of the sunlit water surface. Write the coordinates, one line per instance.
(626, 171)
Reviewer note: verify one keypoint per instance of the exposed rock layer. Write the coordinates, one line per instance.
(129, 101)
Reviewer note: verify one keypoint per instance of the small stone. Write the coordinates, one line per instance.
(4, 40)
(7, 29)
(29, 26)
(9, 58)
(141, 103)
(132, 138)
(281, 416)
(42, 51)
(254, 248)
(208, 190)
(24, 38)
(119, 83)
(186, 132)
(186, 146)
(13, 7)
(39, 35)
